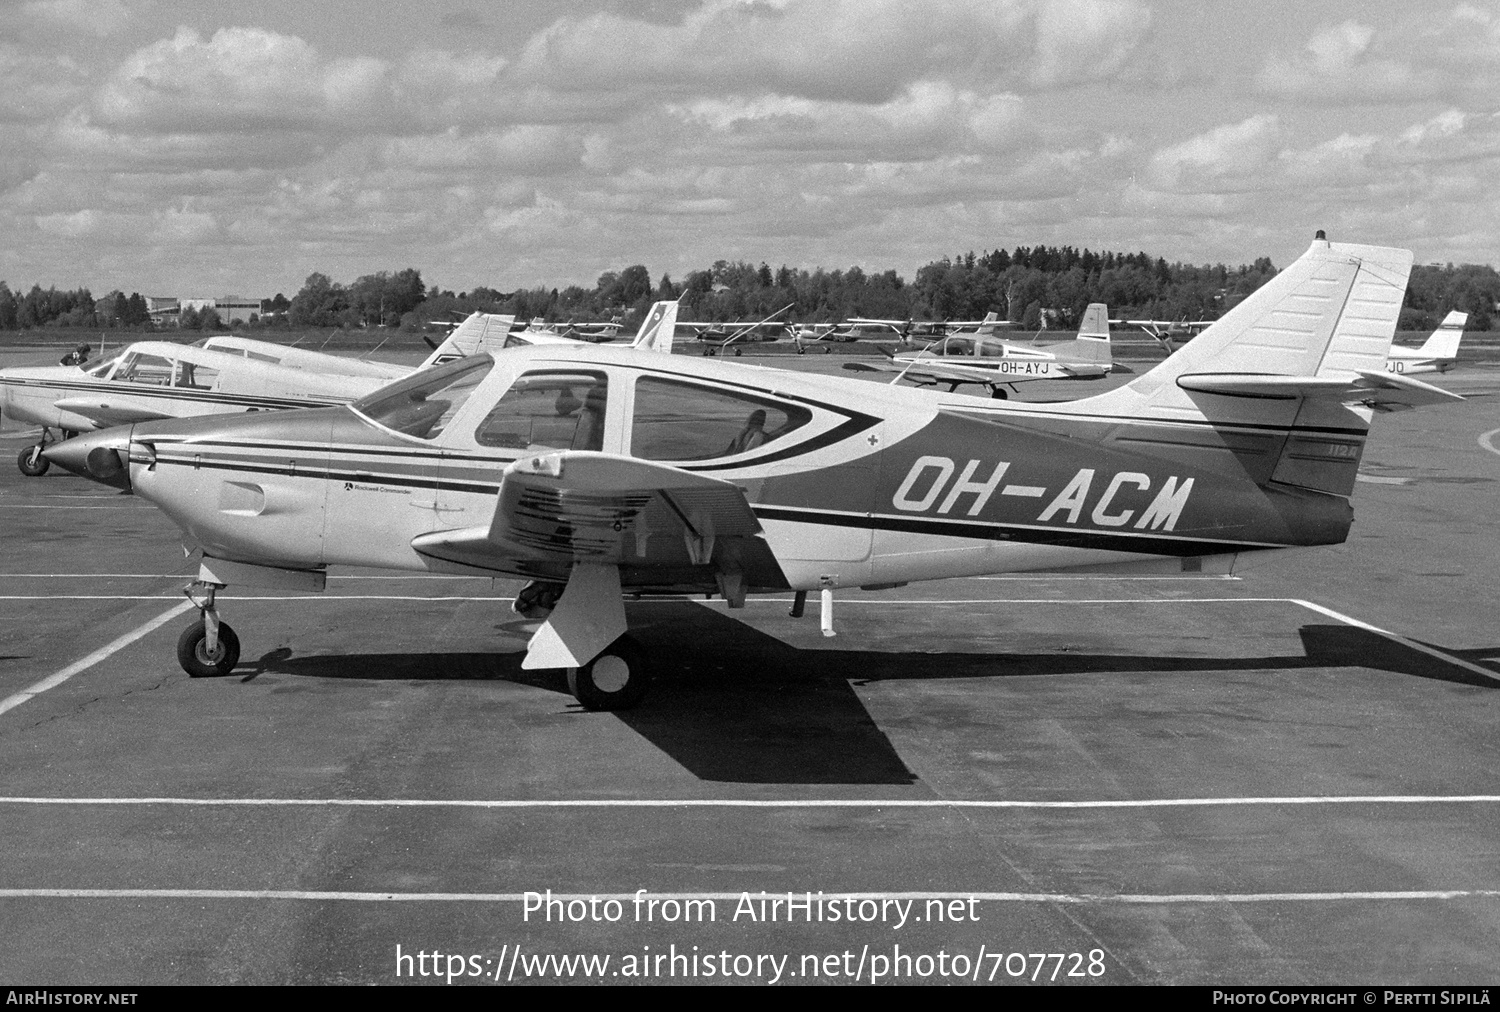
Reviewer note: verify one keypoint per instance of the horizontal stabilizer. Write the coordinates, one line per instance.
(1380, 390)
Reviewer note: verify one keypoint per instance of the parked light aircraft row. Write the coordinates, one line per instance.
(150, 380)
(977, 357)
(593, 471)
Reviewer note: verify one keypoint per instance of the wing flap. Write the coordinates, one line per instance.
(581, 506)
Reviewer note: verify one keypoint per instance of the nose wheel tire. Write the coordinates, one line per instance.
(615, 680)
(32, 463)
(195, 658)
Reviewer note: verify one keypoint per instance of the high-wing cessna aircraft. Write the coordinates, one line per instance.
(593, 471)
(1168, 332)
(593, 332)
(996, 364)
(1437, 353)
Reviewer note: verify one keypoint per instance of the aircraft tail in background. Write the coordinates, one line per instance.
(658, 329)
(1445, 340)
(479, 332)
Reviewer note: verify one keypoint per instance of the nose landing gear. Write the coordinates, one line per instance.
(207, 648)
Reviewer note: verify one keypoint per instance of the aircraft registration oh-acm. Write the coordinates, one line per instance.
(596, 471)
(1437, 353)
(995, 364)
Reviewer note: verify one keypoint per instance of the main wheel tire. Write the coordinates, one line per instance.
(998, 394)
(615, 680)
(197, 661)
(29, 468)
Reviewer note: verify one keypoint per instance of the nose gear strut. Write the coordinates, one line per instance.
(209, 647)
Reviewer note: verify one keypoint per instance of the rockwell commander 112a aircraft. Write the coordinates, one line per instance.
(977, 357)
(593, 471)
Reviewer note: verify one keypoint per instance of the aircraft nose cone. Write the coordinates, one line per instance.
(102, 456)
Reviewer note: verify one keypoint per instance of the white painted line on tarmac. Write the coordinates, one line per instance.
(56, 679)
(245, 597)
(874, 601)
(537, 803)
(10, 506)
(1154, 899)
(1487, 440)
(1398, 638)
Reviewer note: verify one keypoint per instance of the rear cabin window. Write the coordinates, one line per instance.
(422, 405)
(548, 411)
(151, 369)
(194, 376)
(682, 421)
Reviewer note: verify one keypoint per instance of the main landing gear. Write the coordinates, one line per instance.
(615, 680)
(31, 462)
(207, 648)
(584, 633)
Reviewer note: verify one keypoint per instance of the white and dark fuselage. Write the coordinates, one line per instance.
(872, 485)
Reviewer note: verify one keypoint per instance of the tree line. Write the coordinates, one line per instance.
(1029, 286)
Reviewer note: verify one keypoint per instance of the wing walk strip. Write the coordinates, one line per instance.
(1073, 899)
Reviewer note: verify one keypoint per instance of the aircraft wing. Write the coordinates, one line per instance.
(1379, 390)
(108, 413)
(582, 506)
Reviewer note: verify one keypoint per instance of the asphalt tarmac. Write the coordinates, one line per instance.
(1287, 776)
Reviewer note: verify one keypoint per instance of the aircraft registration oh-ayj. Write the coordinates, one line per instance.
(984, 359)
(596, 471)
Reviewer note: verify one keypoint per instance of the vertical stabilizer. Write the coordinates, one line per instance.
(1092, 344)
(990, 324)
(478, 332)
(1445, 340)
(657, 329)
(1331, 314)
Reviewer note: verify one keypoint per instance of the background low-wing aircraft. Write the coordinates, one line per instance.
(1437, 353)
(976, 357)
(597, 471)
(157, 379)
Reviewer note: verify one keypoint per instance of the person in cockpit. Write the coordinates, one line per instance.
(751, 436)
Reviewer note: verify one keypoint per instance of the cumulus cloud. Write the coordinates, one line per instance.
(1412, 58)
(35, 86)
(845, 50)
(239, 79)
(1225, 158)
(99, 17)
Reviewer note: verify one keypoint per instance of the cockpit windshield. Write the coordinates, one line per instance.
(102, 367)
(422, 405)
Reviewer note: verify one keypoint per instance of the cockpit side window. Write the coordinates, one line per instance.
(422, 405)
(549, 411)
(684, 421)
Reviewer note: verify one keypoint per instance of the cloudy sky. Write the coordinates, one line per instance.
(198, 147)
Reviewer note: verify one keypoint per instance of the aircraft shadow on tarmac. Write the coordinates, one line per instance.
(733, 704)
